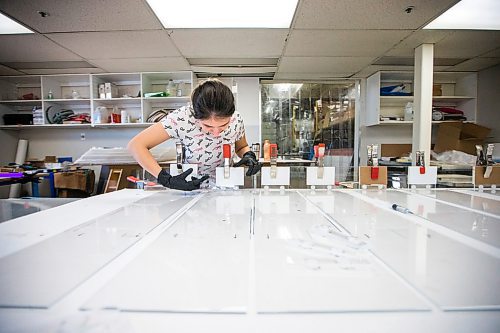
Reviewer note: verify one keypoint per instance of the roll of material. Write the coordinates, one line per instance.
(22, 149)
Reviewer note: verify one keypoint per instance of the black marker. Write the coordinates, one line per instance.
(401, 209)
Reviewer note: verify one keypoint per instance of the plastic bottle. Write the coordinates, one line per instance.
(408, 115)
(75, 94)
(170, 88)
(50, 95)
(267, 151)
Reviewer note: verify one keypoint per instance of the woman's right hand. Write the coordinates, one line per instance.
(179, 182)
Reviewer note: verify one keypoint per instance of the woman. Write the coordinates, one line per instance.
(202, 128)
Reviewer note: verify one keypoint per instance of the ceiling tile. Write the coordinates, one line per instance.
(88, 15)
(233, 70)
(339, 43)
(142, 64)
(32, 47)
(369, 70)
(311, 76)
(495, 54)
(229, 43)
(362, 14)
(117, 44)
(4, 70)
(467, 44)
(43, 71)
(325, 65)
(475, 64)
(233, 61)
(406, 48)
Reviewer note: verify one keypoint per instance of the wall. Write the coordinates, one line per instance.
(248, 104)
(488, 101)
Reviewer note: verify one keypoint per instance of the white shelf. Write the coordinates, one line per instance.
(87, 86)
(118, 100)
(459, 91)
(51, 126)
(173, 99)
(23, 102)
(132, 125)
(406, 122)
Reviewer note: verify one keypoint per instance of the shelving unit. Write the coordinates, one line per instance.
(80, 93)
(458, 90)
(153, 82)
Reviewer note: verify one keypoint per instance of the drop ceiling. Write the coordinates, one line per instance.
(328, 39)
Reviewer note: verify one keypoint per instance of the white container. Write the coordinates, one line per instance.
(408, 115)
(37, 116)
(124, 117)
(100, 115)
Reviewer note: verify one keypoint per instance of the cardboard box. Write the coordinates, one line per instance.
(82, 180)
(460, 136)
(101, 92)
(395, 149)
(110, 90)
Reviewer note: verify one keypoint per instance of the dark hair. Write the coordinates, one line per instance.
(212, 98)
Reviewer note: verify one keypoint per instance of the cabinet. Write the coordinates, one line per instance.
(456, 90)
(23, 98)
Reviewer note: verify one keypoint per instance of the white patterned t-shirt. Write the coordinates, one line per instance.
(200, 147)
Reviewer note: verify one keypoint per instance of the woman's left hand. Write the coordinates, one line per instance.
(249, 159)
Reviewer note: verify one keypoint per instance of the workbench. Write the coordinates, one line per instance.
(254, 261)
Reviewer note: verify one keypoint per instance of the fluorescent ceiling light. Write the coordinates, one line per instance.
(224, 13)
(9, 26)
(470, 14)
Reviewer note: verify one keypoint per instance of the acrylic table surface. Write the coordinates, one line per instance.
(250, 261)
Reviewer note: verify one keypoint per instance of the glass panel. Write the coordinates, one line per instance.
(300, 115)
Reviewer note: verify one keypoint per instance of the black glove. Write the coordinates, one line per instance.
(249, 159)
(179, 182)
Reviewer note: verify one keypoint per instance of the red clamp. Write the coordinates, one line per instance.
(422, 170)
(374, 172)
(226, 150)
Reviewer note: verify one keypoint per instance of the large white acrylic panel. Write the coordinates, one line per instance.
(236, 177)
(273, 211)
(313, 179)
(294, 273)
(416, 178)
(469, 223)
(453, 275)
(465, 199)
(450, 273)
(291, 280)
(188, 270)
(174, 171)
(282, 176)
(181, 275)
(41, 274)
(220, 214)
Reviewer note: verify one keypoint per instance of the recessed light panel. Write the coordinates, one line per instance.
(470, 15)
(9, 26)
(224, 13)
